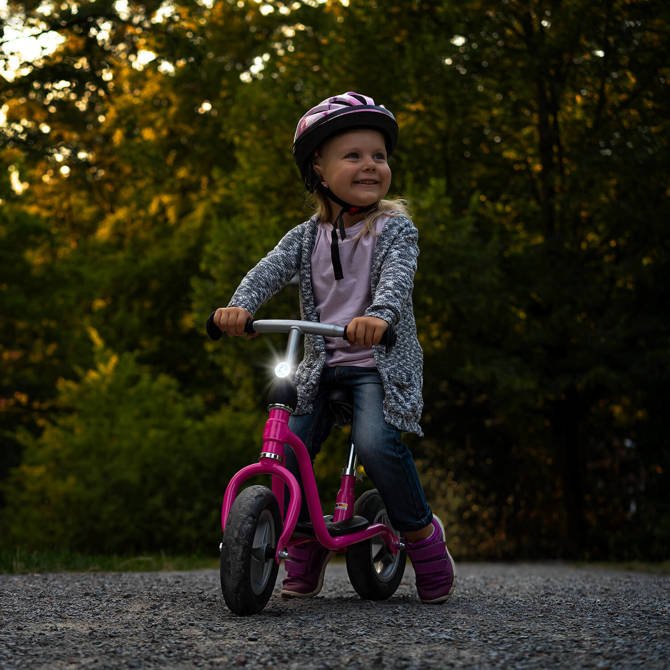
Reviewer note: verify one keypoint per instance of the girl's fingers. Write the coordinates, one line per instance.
(231, 320)
(366, 331)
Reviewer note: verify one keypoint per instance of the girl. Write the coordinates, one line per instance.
(356, 259)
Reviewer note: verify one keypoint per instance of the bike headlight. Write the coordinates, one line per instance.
(282, 370)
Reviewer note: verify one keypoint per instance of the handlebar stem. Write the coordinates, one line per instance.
(293, 346)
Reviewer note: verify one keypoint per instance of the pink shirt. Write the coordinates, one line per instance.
(340, 301)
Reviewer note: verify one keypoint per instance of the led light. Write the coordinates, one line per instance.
(282, 370)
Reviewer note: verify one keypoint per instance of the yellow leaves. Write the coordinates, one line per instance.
(32, 475)
(416, 107)
(591, 239)
(109, 224)
(401, 36)
(8, 355)
(187, 321)
(104, 369)
(18, 398)
(94, 335)
(169, 204)
(624, 412)
(148, 134)
(520, 325)
(15, 182)
(105, 229)
(434, 336)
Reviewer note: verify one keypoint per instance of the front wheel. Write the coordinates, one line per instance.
(248, 566)
(374, 571)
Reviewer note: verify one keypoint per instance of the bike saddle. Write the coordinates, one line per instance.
(341, 405)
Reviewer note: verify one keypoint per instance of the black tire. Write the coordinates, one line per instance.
(248, 566)
(373, 570)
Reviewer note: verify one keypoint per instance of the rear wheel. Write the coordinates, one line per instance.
(375, 572)
(248, 566)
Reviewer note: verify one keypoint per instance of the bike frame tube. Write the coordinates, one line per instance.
(277, 433)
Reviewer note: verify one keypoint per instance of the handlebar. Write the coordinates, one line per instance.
(304, 327)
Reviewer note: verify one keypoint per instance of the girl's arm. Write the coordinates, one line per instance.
(271, 273)
(396, 278)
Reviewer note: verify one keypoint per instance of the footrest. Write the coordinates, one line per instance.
(335, 528)
(347, 526)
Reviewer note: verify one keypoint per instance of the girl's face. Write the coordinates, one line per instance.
(354, 166)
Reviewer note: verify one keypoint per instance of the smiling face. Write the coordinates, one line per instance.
(354, 166)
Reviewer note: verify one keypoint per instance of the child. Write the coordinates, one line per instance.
(356, 259)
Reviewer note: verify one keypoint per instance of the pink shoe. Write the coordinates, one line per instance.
(305, 567)
(433, 565)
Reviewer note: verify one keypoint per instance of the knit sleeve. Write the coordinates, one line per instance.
(271, 273)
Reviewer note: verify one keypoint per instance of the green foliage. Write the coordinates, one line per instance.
(20, 561)
(127, 464)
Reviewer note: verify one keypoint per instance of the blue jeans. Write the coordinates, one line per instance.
(387, 461)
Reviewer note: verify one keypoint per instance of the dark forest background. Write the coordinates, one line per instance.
(145, 165)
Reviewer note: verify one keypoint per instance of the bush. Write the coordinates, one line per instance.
(130, 464)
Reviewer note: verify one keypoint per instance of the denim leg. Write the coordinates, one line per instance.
(387, 461)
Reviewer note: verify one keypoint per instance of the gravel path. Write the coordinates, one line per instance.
(500, 616)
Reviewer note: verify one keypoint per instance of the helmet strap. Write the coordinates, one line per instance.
(346, 208)
(335, 252)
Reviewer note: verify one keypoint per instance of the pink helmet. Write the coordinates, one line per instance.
(334, 115)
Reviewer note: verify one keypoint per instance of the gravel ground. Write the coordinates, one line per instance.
(500, 616)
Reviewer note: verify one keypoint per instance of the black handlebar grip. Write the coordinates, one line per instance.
(212, 329)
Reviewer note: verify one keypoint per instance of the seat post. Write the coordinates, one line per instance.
(350, 469)
(344, 501)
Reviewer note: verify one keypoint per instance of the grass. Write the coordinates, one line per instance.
(20, 561)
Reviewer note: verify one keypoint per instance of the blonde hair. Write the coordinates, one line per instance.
(324, 211)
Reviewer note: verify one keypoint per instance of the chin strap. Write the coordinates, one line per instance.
(335, 248)
(338, 224)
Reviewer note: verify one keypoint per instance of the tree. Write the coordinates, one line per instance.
(155, 146)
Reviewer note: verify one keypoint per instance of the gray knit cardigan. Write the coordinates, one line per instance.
(391, 281)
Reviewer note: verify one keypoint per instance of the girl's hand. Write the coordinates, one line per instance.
(231, 320)
(366, 330)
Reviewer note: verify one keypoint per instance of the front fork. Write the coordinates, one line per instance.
(271, 463)
(280, 477)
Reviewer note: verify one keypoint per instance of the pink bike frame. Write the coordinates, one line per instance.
(275, 436)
